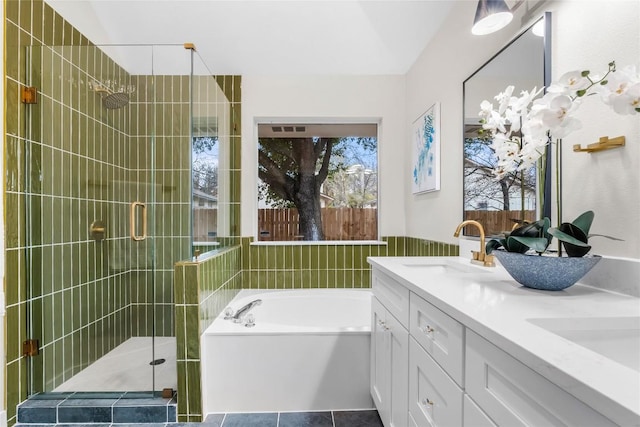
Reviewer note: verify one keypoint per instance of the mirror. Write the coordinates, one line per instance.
(498, 205)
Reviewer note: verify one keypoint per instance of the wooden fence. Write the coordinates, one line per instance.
(337, 224)
(495, 222)
(205, 222)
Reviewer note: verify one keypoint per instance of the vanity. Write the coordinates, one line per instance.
(455, 344)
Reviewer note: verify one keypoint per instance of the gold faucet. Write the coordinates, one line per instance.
(477, 257)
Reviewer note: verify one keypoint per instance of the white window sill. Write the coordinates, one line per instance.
(320, 242)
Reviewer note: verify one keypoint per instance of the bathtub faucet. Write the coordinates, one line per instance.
(237, 318)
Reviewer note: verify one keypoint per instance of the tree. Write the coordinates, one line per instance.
(205, 164)
(481, 185)
(294, 169)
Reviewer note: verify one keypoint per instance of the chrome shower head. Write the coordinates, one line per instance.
(115, 100)
(114, 96)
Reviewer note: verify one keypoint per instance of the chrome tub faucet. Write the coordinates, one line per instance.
(238, 317)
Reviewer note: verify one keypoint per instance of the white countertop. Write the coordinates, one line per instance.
(496, 307)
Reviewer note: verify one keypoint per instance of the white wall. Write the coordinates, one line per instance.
(334, 98)
(586, 35)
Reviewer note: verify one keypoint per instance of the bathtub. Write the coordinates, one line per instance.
(308, 351)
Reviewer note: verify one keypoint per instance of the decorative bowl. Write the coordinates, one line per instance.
(548, 273)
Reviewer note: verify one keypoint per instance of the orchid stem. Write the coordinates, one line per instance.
(559, 188)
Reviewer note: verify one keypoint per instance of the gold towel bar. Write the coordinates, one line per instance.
(603, 144)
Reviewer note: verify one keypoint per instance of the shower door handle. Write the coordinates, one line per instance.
(132, 221)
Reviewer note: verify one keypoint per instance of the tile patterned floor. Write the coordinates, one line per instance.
(364, 418)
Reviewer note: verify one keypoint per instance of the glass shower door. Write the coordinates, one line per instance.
(102, 190)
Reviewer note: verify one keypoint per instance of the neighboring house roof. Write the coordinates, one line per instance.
(202, 195)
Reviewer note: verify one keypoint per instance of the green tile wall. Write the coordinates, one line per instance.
(289, 266)
(203, 289)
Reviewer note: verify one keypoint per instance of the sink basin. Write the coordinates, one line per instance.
(616, 338)
(443, 267)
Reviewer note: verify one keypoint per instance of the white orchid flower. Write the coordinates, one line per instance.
(622, 91)
(485, 109)
(535, 119)
(569, 83)
(529, 155)
(628, 102)
(503, 99)
(495, 122)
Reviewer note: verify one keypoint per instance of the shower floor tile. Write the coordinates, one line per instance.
(126, 368)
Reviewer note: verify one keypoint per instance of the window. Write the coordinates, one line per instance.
(317, 182)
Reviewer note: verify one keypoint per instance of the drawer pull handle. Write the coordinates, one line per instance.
(427, 402)
(428, 330)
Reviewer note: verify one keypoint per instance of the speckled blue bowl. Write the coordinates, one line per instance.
(548, 273)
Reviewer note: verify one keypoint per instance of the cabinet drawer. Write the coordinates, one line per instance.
(439, 334)
(473, 416)
(434, 399)
(512, 394)
(392, 295)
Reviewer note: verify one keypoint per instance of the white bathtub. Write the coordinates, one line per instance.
(308, 351)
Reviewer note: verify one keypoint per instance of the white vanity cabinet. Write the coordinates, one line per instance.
(389, 353)
(512, 394)
(434, 398)
(429, 369)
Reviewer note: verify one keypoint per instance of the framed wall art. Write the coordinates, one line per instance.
(425, 151)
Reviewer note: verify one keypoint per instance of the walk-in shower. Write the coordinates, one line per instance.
(108, 208)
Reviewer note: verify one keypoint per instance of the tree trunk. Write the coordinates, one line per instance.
(505, 195)
(307, 200)
(310, 216)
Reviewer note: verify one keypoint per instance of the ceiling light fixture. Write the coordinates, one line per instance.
(491, 16)
(538, 28)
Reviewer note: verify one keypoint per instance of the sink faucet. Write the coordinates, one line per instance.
(238, 317)
(477, 257)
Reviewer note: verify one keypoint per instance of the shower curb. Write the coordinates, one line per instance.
(48, 409)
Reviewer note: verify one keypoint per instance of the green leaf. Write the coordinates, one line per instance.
(495, 244)
(604, 82)
(513, 245)
(581, 92)
(585, 73)
(583, 222)
(529, 230)
(564, 237)
(538, 244)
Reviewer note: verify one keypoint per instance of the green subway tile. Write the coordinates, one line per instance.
(357, 256)
(191, 283)
(13, 334)
(315, 283)
(193, 387)
(183, 391)
(25, 15)
(14, 394)
(348, 278)
(338, 256)
(357, 278)
(68, 310)
(37, 18)
(192, 316)
(12, 11)
(325, 279)
(314, 257)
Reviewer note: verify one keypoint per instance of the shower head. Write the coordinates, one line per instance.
(115, 100)
(113, 96)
